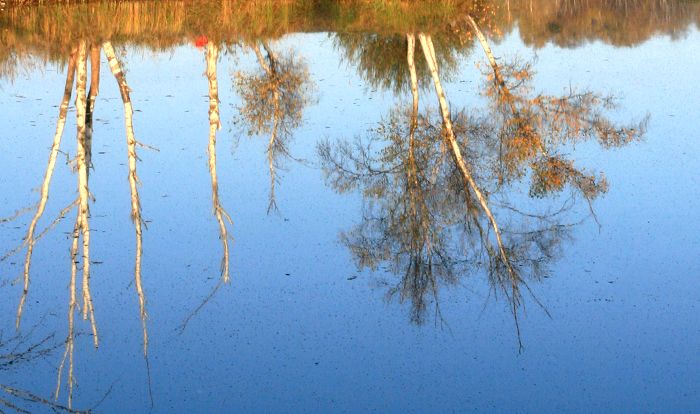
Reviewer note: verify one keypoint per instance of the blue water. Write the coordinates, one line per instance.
(291, 332)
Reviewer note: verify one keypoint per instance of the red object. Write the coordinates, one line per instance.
(201, 41)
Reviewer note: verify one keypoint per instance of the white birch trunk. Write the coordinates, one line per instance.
(487, 50)
(212, 56)
(29, 239)
(83, 220)
(124, 90)
(430, 57)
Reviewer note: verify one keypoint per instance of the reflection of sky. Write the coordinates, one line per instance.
(624, 300)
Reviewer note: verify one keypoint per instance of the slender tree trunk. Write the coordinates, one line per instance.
(497, 76)
(429, 51)
(134, 182)
(81, 228)
(83, 154)
(411, 39)
(95, 60)
(276, 115)
(515, 279)
(271, 154)
(72, 304)
(124, 90)
(270, 67)
(92, 97)
(271, 54)
(500, 83)
(261, 59)
(215, 124)
(412, 170)
(29, 239)
(487, 49)
(420, 211)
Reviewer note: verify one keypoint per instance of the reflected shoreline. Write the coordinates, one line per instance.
(49, 31)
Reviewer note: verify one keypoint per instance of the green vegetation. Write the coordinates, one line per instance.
(47, 30)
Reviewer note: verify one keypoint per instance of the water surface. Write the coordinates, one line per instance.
(526, 245)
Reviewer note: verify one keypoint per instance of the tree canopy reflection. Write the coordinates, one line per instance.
(436, 184)
(274, 99)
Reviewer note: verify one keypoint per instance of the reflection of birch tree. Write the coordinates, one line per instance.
(414, 214)
(131, 143)
(533, 126)
(543, 122)
(30, 239)
(434, 196)
(91, 98)
(80, 241)
(81, 228)
(222, 217)
(273, 103)
(513, 280)
(212, 56)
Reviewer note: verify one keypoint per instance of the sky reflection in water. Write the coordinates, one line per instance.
(379, 285)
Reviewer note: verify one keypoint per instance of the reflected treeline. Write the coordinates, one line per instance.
(380, 60)
(48, 31)
(570, 23)
(436, 184)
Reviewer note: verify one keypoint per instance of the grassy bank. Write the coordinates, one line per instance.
(47, 29)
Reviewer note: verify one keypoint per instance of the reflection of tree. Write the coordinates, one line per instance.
(132, 157)
(406, 215)
(81, 227)
(532, 127)
(80, 242)
(77, 65)
(30, 238)
(212, 56)
(436, 195)
(273, 102)
(415, 215)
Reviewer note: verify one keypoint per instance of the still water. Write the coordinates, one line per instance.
(306, 207)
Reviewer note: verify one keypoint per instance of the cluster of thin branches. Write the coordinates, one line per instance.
(16, 351)
(433, 186)
(273, 103)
